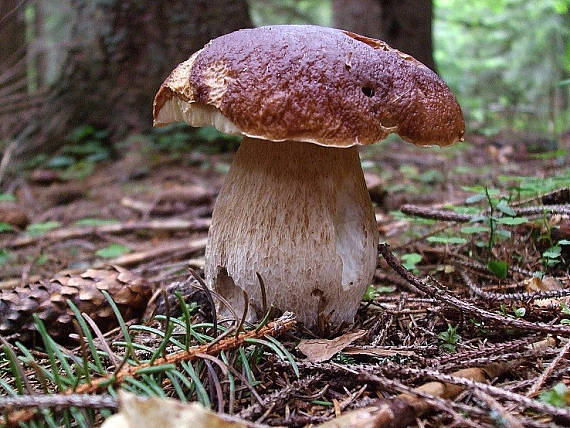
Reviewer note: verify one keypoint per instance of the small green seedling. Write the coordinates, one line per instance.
(449, 338)
(558, 396)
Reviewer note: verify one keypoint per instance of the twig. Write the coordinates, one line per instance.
(278, 396)
(44, 401)
(448, 215)
(437, 292)
(535, 389)
(79, 231)
(285, 323)
(134, 258)
(435, 214)
(6, 157)
(507, 420)
(523, 297)
(492, 390)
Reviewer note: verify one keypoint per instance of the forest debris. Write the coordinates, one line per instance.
(184, 246)
(437, 292)
(188, 194)
(46, 176)
(318, 350)
(172, 200)
(436, 214)
(506, 419)
(448, 215)
(547, 283)
(376, 351)
(546, 294)
(13, 214)
(48, 300)
(275, 328)
(60, 194)
(384, 414)
(375, 186)
(45, 401)
(172, 224)
(535, 389)
(151, 412)
(279, 396)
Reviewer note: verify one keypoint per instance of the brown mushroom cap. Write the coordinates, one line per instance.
(310, 83)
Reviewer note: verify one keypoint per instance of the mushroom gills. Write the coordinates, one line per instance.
(299, 215)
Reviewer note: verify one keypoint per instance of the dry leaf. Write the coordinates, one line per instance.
(381, 415)
(547, 283)
(318, 350)
(154, 412)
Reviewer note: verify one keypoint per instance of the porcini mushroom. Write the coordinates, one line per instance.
(294, 206)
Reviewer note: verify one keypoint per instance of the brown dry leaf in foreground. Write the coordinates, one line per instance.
(318, 350)
(145, 412)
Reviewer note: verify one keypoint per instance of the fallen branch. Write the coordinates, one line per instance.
(448, 215)
(435, 214)
(81, 231)
(278, 396)
(45, 401)
(283, 324)
(535, 389)
(134, 258)
(521, 297)
(439, 293)
(494, 391)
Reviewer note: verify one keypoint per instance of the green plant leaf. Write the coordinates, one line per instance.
(499, 268)
(552, 252)
(8, 197)
(60, 161)
(91, 221)
(446, 239)
(39, 228)
(558, 396)
(411, 260)
(474, 229)
(80, 133)
(519, 312)
(5, 227)
(511, 221)
(475, 198)
(5, 255)
(112, 251)
(504, 207)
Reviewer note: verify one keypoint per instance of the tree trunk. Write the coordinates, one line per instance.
(13, 83)
(404, 24)
(117, 53)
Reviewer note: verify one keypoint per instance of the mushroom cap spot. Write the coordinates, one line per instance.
(308, 83)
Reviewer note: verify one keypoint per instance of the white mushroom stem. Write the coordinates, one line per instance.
(299, 215)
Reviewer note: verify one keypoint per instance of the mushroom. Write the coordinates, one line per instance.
(294, 209)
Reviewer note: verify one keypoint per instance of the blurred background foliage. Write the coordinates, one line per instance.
(68, 64)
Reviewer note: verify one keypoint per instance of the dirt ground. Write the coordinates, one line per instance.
(488, 308)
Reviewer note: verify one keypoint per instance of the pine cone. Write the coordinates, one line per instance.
(48, 300)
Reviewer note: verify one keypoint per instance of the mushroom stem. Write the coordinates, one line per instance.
(299, 215)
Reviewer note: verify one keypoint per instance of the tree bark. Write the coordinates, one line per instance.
(12, 59)
(116, 55)
(404, 24)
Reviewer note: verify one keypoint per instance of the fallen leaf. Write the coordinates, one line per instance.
(154, 412)
(318, 350)
(547, 283)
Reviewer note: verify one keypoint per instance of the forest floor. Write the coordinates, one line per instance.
(467, 322)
